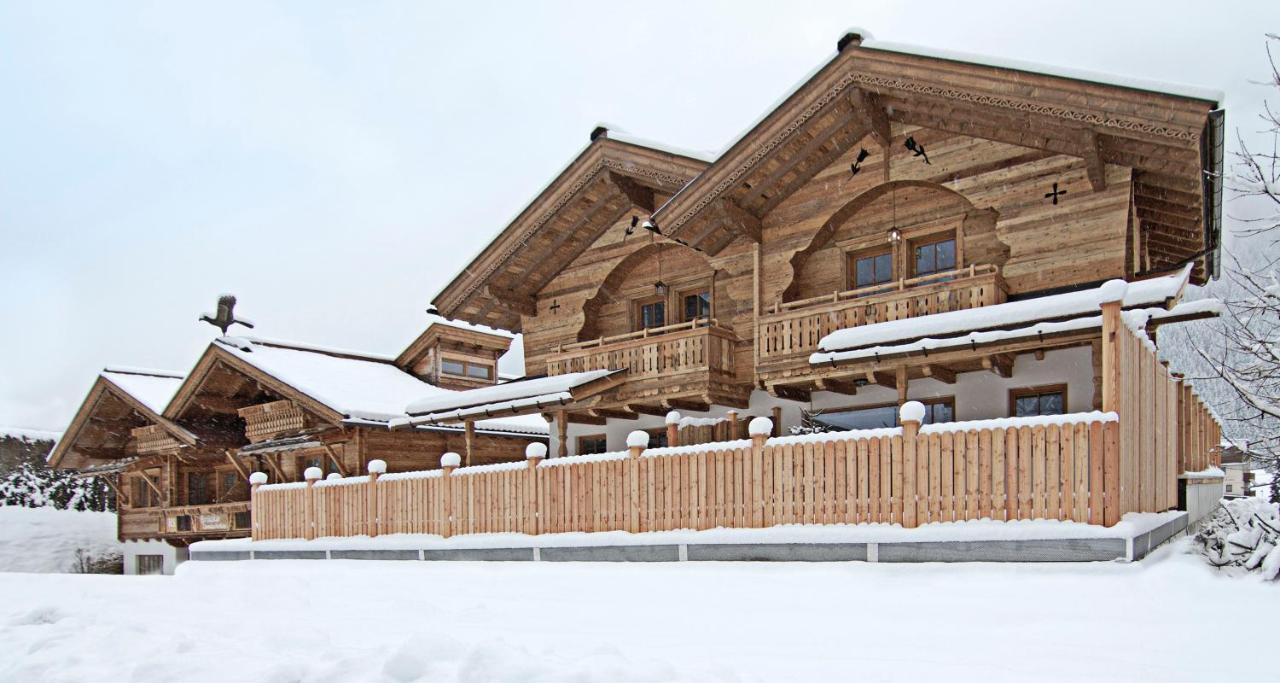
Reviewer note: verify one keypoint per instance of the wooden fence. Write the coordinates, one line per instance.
(1085, 467)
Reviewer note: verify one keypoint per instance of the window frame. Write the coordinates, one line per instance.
(932, 240)
(854, 255)
(696, 290)
(928, 402)
(637, 311)
(1038, 390)
(467, 364)
(603, 438)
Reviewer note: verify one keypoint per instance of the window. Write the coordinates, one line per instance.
(1030, 401)
(651, 314)
(935, 257)
(697, 305)
(936, 411)
(143, 495)
(198, 489)
(594, 443)
(148, 564)
(466, 368)
(242, 520)
(657, 437)
(869, 269)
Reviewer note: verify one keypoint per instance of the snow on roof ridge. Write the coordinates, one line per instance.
(509, 392)
(231, 340)
(146, 372)
(1101, 78)
(460, 324)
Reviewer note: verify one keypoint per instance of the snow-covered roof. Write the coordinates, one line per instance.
(1144, 293)
(360, 387)
(464, 325)
(512, 396)
(25, 434)
(1176, 89)
(152, 388)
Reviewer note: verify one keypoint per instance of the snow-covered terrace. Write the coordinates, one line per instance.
(1075, 311)
(510, 398)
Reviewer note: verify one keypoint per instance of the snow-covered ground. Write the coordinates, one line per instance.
(1160, 619)
(45, 539)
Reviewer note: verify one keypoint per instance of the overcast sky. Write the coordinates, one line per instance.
(334, 164)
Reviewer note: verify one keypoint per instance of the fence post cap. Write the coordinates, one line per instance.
(760, 426)
(673, 417)
(313, 473)
(535, 450)
(258, 478)
(1112, 291)
(450, 460)
(911, 411)
(377, 467)
(332, 476)
(638, 439)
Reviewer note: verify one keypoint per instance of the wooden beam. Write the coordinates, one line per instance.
(645, 408)
(469, 437)
(791, 393)
(900, 381)
(819, 139)
(219, 404)
(614, 413)
(940, 373)
(152, 484)
(274, 466)
(115, 486)
(1094, 167)
(516, 302)
(869, 110)
(585, 418)
(240, 468)
(640, 196)
(333, 457)
(746, 222)
(1001, 364)
(562, 432)
(838, 386)
(686, 404)
(884, 379)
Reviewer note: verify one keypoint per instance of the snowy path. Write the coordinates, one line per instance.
(1162, 619)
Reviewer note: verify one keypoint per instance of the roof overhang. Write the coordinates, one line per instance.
(103, 391)
(480, 404)
(608, 180)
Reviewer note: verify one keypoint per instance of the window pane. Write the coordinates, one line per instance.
(452, 367)
(866, 272)
(861, 418)
(479, 371)
(1027, 405)
(937, 413)
(884, 268)
(945, 258)
(697, 306)
(1051, 404)
(924, 259)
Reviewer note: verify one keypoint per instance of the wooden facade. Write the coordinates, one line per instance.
(181, 465)
(890, 185)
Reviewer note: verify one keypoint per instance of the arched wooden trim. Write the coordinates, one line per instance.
(608, 289)
(823, 236)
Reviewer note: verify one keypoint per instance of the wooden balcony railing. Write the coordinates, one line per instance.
(153, 439)
(204, 519)
(266, 420)
(792, 330)
(697, 345)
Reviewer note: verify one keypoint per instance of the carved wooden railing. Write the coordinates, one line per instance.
(265, 420)
(152, 439)
(792, 330)
(201, 519)
(696, 345)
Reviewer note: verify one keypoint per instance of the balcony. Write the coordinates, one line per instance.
(791, 331)
(198, 520)
(265, 421)
(693, 358)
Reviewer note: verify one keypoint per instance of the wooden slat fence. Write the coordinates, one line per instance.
(1032, 468)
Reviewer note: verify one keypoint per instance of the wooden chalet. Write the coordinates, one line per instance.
(179, 450)
(837, 259)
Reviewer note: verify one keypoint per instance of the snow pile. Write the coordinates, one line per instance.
(1244, 535)
(48, 540)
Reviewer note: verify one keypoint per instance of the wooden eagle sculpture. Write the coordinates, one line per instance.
(226, 315)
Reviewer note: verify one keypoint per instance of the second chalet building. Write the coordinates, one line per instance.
(904, 225)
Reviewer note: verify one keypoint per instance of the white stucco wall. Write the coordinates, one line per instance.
(172, 556)
(978, 395)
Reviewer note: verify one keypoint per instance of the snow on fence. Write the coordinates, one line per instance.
(1083, 467)
(1018, 468)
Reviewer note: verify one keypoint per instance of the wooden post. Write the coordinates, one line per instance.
(760, 428)
(562, 433)
(376, 469)
(637, 441)
(673, 428)
(911, 414)
(732, 416)
(255, 480)
(900, 380)
(312, 475)
(448, 463)
(469, 431)
(534, 454)
(777, 421)
(1111, 346)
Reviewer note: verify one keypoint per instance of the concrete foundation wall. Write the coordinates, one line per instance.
(1201, 496)
(171, 556)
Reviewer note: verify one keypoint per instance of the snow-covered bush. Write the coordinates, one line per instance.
(810, 424)
(1243, 533)
(26, 481)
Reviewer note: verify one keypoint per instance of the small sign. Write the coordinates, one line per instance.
(214, 522)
